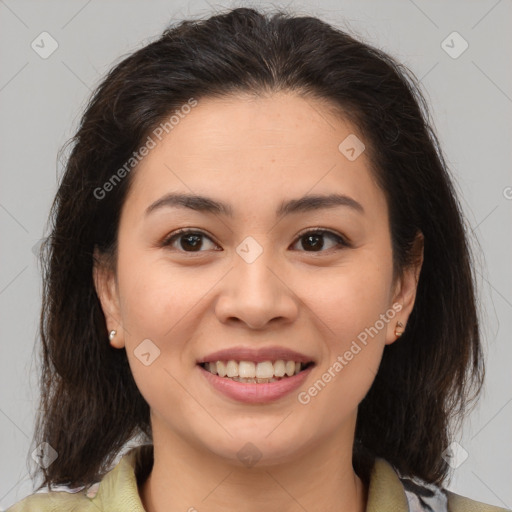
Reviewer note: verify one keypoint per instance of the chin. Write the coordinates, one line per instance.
(258, 447)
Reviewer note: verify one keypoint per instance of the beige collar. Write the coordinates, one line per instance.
(386, 492)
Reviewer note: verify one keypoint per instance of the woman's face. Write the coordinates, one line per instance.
(249, 277)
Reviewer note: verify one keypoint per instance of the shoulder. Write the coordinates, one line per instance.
(426, 497)
(116, 491)
(412, 494)
(457, 502)
(54, 500)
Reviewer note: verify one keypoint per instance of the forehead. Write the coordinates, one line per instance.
(247, 147)
(273, 123)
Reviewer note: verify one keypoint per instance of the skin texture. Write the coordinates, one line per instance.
(253, 153)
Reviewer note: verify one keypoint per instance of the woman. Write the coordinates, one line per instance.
(258, 264)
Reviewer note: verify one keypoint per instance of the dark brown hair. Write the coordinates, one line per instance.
(90, 405)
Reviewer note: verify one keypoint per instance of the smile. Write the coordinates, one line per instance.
(228, 378)
(255, 372)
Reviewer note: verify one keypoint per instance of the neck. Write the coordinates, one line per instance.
(188, 478)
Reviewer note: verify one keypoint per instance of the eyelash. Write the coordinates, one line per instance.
(342, 241)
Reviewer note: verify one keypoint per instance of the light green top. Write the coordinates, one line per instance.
(118, 492)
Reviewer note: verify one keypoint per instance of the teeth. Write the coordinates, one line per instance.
(279, 368)
(264, 370)
(249, 371)
(232, 369)
(218, 367)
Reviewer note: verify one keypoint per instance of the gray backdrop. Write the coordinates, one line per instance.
(54, 53)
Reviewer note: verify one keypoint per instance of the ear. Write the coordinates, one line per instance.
(405, 289)
(106, 288)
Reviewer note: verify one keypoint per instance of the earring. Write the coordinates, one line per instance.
(111, 335)
(399, 333)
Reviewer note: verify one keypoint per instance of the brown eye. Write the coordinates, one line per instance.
(313, 241)
(187, 240)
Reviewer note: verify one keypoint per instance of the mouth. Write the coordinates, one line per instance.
(255, 382)
(256, 372)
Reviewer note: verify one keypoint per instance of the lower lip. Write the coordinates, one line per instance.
(256, 393)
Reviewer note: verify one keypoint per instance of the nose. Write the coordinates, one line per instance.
(256, 294)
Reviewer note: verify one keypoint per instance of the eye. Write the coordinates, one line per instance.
(312, 241)
(192, 241)
(188, 240)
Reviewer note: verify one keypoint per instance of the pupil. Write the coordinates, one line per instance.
(313, 241)
(194, 245)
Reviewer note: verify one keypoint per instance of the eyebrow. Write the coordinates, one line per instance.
(208, 205)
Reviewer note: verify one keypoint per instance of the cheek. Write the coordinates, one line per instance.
(355, 334)
(353, 305)
(159, 308)
(350, 299)
(155, 298)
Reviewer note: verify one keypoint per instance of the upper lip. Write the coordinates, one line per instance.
(257, 355)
